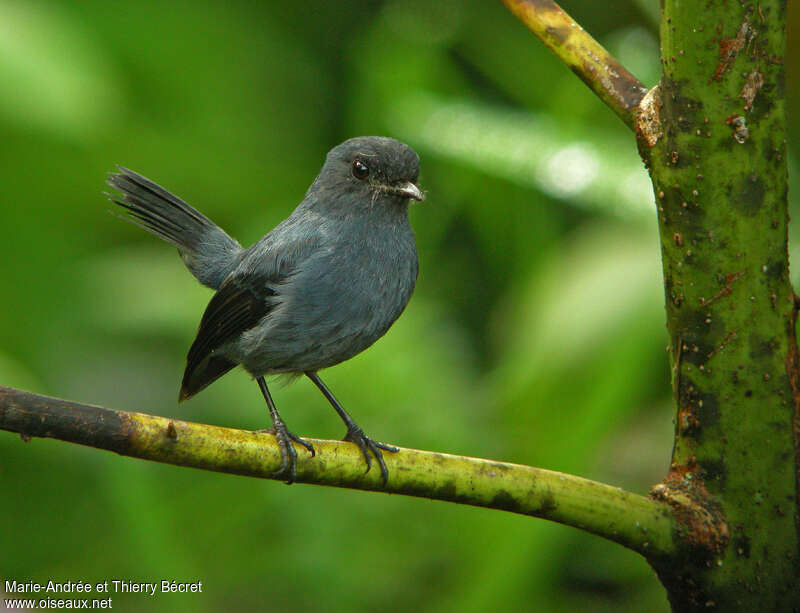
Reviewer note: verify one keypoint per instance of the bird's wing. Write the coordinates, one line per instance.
(246, 296)
(240, 303)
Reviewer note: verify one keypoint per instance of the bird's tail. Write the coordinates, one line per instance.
(208, 252)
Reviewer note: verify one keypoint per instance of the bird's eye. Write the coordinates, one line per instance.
(360, 170)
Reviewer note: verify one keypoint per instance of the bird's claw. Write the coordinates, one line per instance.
(285, 438)
(356, 435)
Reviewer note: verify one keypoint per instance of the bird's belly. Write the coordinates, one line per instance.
(317, 329)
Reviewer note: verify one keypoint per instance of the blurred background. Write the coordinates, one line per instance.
(536, 334)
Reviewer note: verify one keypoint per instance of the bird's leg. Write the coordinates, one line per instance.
(354, 433)
(284, 437)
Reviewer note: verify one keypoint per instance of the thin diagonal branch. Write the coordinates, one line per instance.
(595, 66)
(639, 523)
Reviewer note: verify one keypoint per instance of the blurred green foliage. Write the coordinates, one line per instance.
(535, 335)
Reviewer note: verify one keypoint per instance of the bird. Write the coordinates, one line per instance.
(319, 288)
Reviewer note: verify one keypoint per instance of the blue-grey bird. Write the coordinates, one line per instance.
(321, 287)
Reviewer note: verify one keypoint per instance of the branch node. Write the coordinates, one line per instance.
(648, 118)
(701, 523)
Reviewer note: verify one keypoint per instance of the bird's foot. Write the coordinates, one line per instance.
(285, 438)
(356, 435)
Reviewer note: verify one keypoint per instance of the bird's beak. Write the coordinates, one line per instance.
(409, 190)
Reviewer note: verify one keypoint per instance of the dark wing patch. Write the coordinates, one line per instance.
(239, 305)
(203, 375)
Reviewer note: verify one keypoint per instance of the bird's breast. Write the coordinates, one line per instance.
(338, 303)
(380, 276)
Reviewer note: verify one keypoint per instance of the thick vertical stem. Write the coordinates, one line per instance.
(714, 140)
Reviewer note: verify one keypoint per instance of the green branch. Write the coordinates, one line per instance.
(639, 523)
(595, 66)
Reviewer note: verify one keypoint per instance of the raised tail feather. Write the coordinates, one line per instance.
(208, 252)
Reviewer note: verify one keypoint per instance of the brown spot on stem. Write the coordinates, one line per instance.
(687, 421)
(752, 84)
(730, 279)
(702, 524)
(171, 433)
(721, 346)
(793, 372)
(739, 126)
(729, 49)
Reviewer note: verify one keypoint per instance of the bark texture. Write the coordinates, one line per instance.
(713, 137)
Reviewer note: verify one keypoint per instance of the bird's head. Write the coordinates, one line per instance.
(369, 170)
